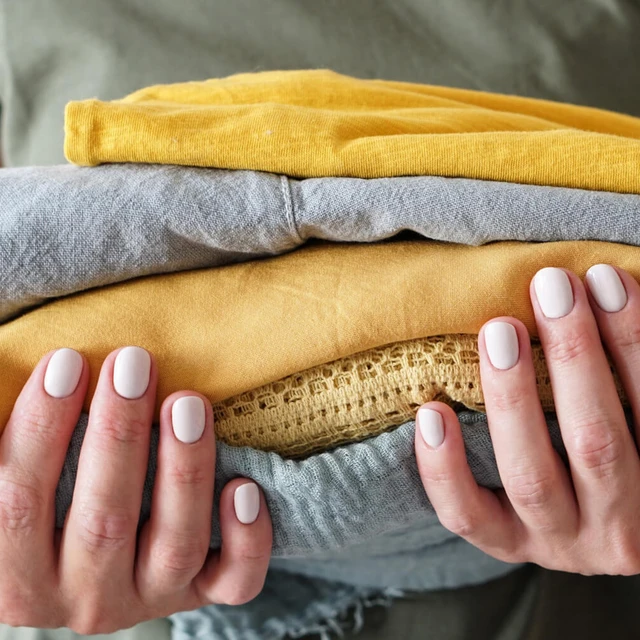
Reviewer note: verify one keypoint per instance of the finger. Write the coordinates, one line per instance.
(32, 452)
(236, 573)
(532, 473)
(604, 464)
(472, 512)
(174, 543)
(614, 296)
(98, 541)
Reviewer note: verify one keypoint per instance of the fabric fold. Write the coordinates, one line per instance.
(315, 123)
(357, 514)
(363, 395)
(213, 330)
(67, 229)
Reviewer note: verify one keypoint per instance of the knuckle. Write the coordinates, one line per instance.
(513, 554)
(530, 489)
(437, 477)
(92, 621)
(570, 346)
(101, 529)
(36, 422)
(180, 556)
(29, 606)
(251, 552)
(13, 608)
(509, 400)
(463, 524)
(189, 474)
(625, 552)
(242, 592)
(20, 506)
(115, 428)
(597, 447)
(627, 339)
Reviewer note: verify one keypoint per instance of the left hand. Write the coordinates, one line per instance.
(585, 519)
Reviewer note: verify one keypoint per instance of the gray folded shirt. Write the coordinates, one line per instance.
(65, 229)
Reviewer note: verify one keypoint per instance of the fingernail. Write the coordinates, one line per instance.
(246, 502)
(501, 339)
(431, 427)
(131, 372)
(63, 373)
(554, 293)
(606, 287)
(188, 419)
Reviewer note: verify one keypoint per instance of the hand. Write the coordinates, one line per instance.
(96, 575)
(585, 520)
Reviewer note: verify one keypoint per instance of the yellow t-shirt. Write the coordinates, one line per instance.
(320, 123)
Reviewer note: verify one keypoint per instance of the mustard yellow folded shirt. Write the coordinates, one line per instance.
(222, 331)
(320, 123)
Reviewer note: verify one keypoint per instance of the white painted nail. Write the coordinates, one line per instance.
(246, 502)
(501, 339)
(131, 372)
(554, 293)
(63, 373)
(606, 287)
(431, 427)
(188, 418)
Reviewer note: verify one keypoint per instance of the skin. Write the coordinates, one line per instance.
(584, 519)
(96, 575)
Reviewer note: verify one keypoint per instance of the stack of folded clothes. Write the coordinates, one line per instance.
(316, 254)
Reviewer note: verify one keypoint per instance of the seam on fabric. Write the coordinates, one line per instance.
(287, 196)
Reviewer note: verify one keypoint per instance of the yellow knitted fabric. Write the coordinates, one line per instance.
(320, 123)
(223, 331)
(363, 395)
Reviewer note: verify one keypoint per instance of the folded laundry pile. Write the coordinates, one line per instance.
(319, 304)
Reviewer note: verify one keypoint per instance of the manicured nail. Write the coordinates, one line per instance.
(131, 372)
(554, 293)
(63, 373)
(501, 339)
(606, 287)
(431, 427)
(188, 418)
(246, 502)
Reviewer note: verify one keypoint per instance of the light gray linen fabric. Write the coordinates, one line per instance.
(64, 229)
(356, 519)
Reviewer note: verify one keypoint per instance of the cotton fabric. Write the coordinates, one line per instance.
(316, 123)
(206, 328)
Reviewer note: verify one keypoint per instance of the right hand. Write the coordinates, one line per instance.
(96, 575)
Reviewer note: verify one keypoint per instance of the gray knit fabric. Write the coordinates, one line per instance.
(64, 229)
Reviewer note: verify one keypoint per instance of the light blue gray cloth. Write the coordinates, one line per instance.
(65, 229)
(356, 516)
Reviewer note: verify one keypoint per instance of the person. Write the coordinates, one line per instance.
(580, 522)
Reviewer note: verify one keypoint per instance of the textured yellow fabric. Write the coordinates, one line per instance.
(363, 395)
(222, 331)
(320, 123)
